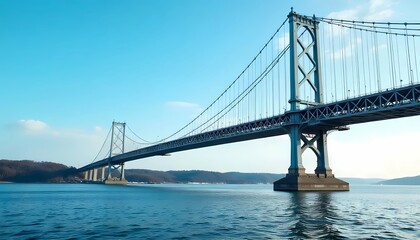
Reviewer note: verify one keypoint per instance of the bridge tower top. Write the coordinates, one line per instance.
(305, 67)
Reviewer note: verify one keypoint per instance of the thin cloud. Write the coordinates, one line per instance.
(345, 51)
(42, 128)
(346, 14)
(183, 105)
(374, 10)
(380, 10)
(32, 126)
(283, 41)
(185, 108)
(38, 140)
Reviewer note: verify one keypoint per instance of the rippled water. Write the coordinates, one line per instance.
(88, 211)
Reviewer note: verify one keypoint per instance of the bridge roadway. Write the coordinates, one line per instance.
(395, 103)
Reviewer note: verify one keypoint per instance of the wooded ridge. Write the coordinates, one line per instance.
(27, 171)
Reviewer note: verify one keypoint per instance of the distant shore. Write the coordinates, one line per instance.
(27, 171)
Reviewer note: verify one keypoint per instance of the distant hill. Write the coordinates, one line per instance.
(25, 171)
(362, 180)
(150, 176)
(402, 181)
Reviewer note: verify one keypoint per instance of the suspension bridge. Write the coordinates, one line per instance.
(313, 76)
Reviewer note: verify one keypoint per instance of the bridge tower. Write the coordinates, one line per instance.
(305, 70)
(116, 148)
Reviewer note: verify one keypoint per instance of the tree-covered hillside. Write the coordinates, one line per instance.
(25, 171)
(149, 176)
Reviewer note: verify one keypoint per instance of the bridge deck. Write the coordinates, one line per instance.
(395, 103)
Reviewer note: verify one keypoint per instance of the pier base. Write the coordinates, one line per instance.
(310, 182)
(116, 181)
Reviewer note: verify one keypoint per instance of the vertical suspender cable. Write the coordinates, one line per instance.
(378, 74)
(279, 96)
(243, 101)
(303, 81)
(272, 78)
(255, 94)
(398, 60)
(330, 59)
(345, 70)
(374, 72)
(323, 64)
(261, 111)
(391, 42)
(357, 61)
(363, 60)
(415, 59)
(374, 58)
(371, 77)
(248, 96)
(311, 90)
(286, 92)
(333, 61)
(342, 63)
(407, 46)
(352, 78)
(394, 71)
(278, 85)
(237, 105)
(266, 84)
(389, 57)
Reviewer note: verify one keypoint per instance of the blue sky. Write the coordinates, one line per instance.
(68, 68)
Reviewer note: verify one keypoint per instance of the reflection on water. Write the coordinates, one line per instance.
(314, 215)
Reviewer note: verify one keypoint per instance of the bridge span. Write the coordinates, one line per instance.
(282, 91)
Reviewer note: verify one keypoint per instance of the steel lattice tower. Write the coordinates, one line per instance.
(116, 148)
(305, 69)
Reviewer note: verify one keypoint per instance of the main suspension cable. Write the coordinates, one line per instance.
(103, 144)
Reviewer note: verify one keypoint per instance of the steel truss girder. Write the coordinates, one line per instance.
(378, 106)
(402, 102)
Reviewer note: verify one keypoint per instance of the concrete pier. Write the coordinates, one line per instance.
(116, 181)
(95, 175)
(310, 182)
(103, 174)
(119, 179)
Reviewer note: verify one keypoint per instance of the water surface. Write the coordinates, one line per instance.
(169, 211)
